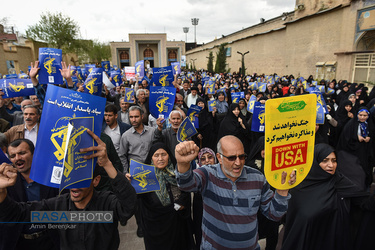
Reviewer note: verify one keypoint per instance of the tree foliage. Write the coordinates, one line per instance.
(89, 51)
(98, 51)
(243, 69)
(57, 30)
(221, 59)
(210, 64)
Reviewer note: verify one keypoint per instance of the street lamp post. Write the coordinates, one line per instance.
(195, 21)
(193, 62)
(243, 61)
(186, 30)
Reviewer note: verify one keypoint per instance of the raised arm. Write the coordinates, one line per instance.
(8, 177)
(185, 152)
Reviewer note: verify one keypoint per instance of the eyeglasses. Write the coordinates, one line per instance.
(234, 157)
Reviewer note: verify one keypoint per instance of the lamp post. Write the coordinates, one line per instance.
(243, 61)
(186, 30)
(193, 62)
(195, 21)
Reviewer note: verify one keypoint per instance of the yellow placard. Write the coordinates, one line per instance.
(289, 138)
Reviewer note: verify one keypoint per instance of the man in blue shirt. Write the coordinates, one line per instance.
(232, 195)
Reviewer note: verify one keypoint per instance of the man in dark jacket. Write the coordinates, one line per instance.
(82, 235)
(26, 236)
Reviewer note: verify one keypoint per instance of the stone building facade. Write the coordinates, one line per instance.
(153, 48)
(322, 38)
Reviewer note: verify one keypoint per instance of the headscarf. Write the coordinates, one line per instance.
(363, 125)
(318, 218)
(244, 110)
(202, 152)
(165, 175)
(222, 107)
(203, 116)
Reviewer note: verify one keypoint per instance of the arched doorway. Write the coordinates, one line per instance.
(148, 55)
(124, 59)
(364, 62)
(172, 56)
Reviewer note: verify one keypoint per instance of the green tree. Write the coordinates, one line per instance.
(221, 59)
(210, 64)
(57, 30)
(98, 51)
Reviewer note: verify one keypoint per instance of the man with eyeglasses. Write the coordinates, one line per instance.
(232, 195)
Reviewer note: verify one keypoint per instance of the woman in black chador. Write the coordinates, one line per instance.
(166, 220)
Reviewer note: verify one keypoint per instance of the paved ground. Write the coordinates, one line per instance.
(130, 241)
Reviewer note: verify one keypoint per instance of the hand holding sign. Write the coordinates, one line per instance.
(289, 139)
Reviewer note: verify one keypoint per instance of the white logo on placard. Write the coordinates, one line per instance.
(51, 79)
(56, 175)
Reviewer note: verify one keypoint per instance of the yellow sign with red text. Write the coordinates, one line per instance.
(289, 138)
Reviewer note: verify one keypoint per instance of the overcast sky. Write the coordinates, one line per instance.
(113, 20)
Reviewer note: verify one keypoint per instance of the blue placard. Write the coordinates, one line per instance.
(106, 65)
(11, 76)
(193, 114)
(4, 158)
(17, 87)
(75, 80)
(23, 76)
(140, 69)
(186, 130)
(73, 70)
(129, 95)
(89, 68)
(143, 177)
(330, 91)
(236, 96)
(211, 105)
(161, 101)
(258, 120)
(80, 76)
(211, 87)
(262, 87)
(320, 100)
(50, 65)
(321, 88)
(116, 78)
(319, 113)
(250, 104)
(162, 76)
(176, 68)
(78, 172)
(94, 82)
(59, 107)
(293, 82)
(253, 85)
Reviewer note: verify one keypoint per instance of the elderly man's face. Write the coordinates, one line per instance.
(233, 157)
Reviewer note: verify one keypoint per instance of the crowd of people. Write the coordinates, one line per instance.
(222, 166)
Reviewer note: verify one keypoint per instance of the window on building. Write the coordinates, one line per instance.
(124, 55)
(148, 53)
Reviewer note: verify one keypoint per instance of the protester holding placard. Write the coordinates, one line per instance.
(169, 135)
(229, 220)
(357, 139)
(166, 212)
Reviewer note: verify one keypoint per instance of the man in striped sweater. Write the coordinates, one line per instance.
(232, 194)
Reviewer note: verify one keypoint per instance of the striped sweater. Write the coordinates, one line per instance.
(230, 208)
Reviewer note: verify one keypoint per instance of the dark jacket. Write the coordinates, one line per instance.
(10, 233)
